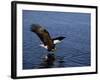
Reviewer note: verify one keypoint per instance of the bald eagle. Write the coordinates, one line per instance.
(48, 42)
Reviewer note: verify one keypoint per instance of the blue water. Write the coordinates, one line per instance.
(74, 51)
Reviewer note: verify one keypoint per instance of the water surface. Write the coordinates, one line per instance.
(74, 51)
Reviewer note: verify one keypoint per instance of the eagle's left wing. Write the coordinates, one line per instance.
(44, 35)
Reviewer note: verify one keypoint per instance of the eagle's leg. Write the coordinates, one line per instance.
(53, 50)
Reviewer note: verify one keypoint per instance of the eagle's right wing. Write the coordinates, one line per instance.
(58, 39)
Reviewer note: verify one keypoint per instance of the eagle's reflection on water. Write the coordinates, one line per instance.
(51, 60)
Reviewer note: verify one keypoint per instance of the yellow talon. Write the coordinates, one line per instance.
(53, 49)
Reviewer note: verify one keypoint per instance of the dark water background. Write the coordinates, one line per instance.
(74, 51)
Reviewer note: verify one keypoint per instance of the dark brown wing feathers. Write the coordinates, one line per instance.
(43, 35)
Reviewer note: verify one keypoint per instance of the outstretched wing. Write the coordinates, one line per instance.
(43, 34)
(58, 39)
